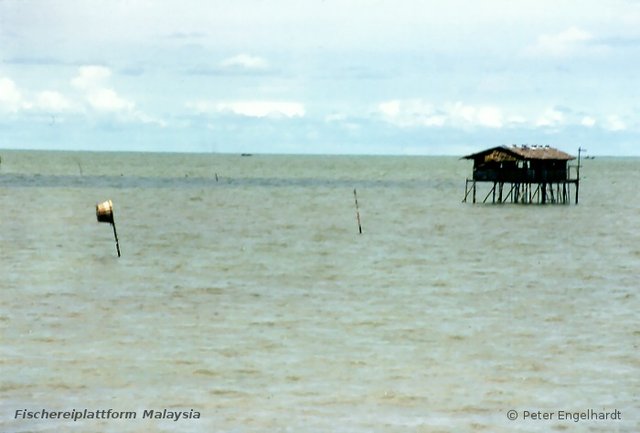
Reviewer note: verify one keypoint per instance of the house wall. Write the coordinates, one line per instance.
(539, 171)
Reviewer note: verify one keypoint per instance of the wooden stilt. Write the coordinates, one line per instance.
(511, 194)
(493, 191)
(466, 190)
(580, 150)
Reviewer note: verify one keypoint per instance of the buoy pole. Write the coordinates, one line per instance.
(355, 196)
(115, 235)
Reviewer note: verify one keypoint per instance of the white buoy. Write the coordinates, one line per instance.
(104, 214)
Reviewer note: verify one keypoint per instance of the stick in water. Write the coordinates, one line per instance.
(115, 235)
(355, 196)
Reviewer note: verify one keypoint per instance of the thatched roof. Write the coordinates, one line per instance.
(514, 152)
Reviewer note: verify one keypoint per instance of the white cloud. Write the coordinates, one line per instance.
(614, 123)
(566, 43)
(551, 118)
(490, 117)
(588, 121)
(13, 100)
(53, 101)
(201, 107)
(108, 100)
(411, 112)
(416, 112)
(516, 119)
(251, 108)
(467, 115)
(245, 61)
(10, 96)
(461, 113)
(264, 108)
(91, 77)
(92, 81)
(390, 109)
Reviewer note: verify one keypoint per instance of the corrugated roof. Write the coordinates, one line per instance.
(526, 152)
(541, 152)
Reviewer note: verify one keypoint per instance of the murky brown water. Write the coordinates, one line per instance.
(253, 300)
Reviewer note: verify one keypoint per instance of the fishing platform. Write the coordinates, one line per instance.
(531, 173)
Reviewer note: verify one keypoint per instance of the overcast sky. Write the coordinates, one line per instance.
(312, 76)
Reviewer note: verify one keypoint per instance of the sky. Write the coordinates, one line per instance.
(401, 77)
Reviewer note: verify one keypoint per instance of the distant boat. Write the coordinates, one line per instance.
(246, 154)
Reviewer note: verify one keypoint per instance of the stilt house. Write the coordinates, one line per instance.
(533, 174)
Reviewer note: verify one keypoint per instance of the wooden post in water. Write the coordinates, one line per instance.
(580, 150)
(355, 196)
(104, 214)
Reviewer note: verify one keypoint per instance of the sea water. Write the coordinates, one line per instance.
(246, 295)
